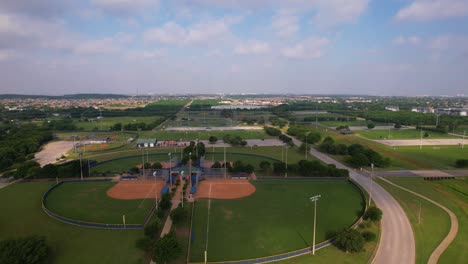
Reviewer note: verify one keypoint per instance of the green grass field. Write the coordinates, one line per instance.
(277, 218)
(335, 124)
(203, 135)
(22, 216)
(435, 223)
(107, 122)
(124, 165)
(88, 202)
(401, 134)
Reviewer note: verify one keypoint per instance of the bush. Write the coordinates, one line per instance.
(461, 163)
(349, 240)
(272, 131)
(370, 125)
(397, 125)
(373, 213)
(369, 236)
(213, 139)
(28, 250)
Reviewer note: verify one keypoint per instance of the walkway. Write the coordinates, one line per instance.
(434, 258)
(397, 241)
(175, 203)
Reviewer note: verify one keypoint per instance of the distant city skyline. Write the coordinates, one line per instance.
(352, 47)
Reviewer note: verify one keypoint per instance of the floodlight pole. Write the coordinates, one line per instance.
(314, 199)
(143, 162)
(286, 173)
(225, 165)
(305, 154)
(420, 139)
(419, 214)
(190, 166)
(463, 141)
(371, 183)
(81, 165)
(170, 168)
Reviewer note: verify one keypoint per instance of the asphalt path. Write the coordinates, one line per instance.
(397, 243)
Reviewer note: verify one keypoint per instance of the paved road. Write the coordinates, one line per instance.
(397, 243)
(214, 128)
(421, 173)
(434, 258)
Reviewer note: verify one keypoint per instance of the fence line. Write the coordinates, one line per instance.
(89, 224)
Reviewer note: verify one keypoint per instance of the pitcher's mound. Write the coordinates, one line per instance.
(224, 189)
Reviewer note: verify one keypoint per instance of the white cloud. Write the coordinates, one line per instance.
(285, 25)
(145, 54)
(97, 47)
(7, 55)
(311, 48)
(449, 43)
(126, 7)
(425, 10)
(333, 12)
(402, 40)
(253, 48)
(172, 33)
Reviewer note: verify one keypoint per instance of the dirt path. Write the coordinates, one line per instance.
(434, 258)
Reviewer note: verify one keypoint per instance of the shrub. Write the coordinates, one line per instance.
(461, 163)
(370, 125)
(152, 230)
(179, 215)
(213, 139)
(369, 236)
(373, 213)
(28, 250)
(167, 249)
(349, 240)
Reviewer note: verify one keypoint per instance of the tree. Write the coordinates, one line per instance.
(369, 236)
(373, 213)
(249, 168)
(117, 127)
(28, 250)
(152, 230)
(359, 160)
(397, 125)
(349, 240)
(167, 249)
(265, 165)
(156, 166)
(213, 139)
(216, 165)
(426, 134)
(370, 125)
(279, 167)
(179, 215)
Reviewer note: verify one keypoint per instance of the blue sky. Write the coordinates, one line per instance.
(391, 47)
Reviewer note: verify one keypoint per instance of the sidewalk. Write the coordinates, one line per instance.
(175, 203)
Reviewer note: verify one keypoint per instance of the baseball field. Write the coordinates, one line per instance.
(276, 218)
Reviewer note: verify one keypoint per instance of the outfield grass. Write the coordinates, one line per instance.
(22, 216)
(335, 124)
(401, 134)
(435, 223)
(88, 202)
(332, 254)
(123, 165)
(277, 218)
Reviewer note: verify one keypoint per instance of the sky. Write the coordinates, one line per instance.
(375, 47)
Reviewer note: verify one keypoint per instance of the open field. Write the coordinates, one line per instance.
(435, 222)
(335, 124)
(277, 218)
(424, 142)
(22, 216)
(193, 135)
(52, 151)
(106, 123)
(401, 134)
(89, 202)
(411, 158)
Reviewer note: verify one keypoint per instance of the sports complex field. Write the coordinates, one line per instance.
(90, 202)
(276, 218)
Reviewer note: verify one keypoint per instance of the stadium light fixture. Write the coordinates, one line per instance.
(314, 199)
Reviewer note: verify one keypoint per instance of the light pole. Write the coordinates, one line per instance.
(190, 166)
(170, 167)
(143, 161)
(306, 136)
(225, 165)
(314, 199)
(81, 165)
(286, 173)
(371, 183)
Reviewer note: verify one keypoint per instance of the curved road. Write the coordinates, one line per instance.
(397, 244)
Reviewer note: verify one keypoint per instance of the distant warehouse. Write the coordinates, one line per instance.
(146, 142)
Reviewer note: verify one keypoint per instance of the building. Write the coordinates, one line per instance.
(424, 110)
(392, 108)
(452, 111)
(146, 143)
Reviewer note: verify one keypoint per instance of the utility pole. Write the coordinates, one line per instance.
(225, 165)
(419, 214)
(286, 174)
(314, 199)
(463, 141)
(307, 135)
(170, 168)
(190, 166)
(420, 140)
